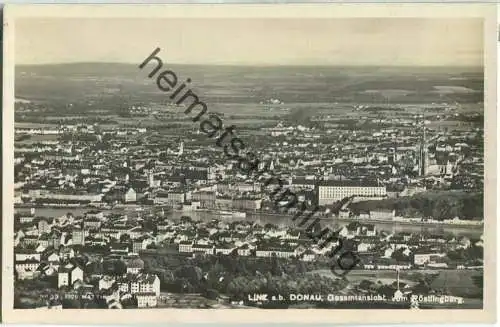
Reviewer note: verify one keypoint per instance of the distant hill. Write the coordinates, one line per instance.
(246, 84)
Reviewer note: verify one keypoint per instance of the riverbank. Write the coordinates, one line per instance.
(281, 220)
(463, 224)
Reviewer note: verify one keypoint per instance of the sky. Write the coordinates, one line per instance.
(285, 41)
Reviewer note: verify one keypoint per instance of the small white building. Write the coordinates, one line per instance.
(308, 256)
(145, 283)
(244, 250)
(68, 275)
(207, 249)
(185, 246)
(130, 196)
(106, 282)
(26, 269)
(146, 299)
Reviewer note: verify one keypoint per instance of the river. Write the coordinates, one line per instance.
(279, 220)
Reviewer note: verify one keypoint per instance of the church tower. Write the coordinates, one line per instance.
(398, 295)
(423, 155)
(181, 149)
(151, 178)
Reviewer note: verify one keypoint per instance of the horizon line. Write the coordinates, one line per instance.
(257, 65)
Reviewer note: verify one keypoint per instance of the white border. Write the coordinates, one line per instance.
(311, 316)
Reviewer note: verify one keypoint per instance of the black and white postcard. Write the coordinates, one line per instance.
(316, 163)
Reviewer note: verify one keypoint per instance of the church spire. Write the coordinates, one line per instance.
(397, 271)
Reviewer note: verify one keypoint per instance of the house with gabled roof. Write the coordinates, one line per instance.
(146, 299)
(244, 250)
(106, 282)
(186, 246)
(224, 248)
(207, 249)
(145, 283)
(135, 265)
(69, 274)
(26, 269)
(308, 256)
(23, 254)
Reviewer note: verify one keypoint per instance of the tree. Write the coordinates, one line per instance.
(124, 238)
(191, 275)
(151, 246)
(422, 287)
(275, 265)
(479, 283)
(115, 267)
(400, 256)
(365, 284)
(301, 267)
(211, 294)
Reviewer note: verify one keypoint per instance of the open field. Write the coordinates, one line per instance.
(233, 84)
(385, 276)
(452, 278)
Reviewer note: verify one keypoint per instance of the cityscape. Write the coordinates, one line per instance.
(122, 202)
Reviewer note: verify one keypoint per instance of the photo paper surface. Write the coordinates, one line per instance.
(316, 163)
